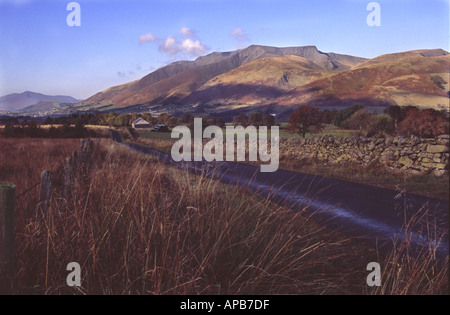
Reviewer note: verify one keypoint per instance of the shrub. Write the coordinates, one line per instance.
(440, 83)
(359, 120)
(380, 126)
(423, 123)
(344, 114)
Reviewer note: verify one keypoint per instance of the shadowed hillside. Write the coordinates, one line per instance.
(178, 80)
(261, 75)
(389, 81)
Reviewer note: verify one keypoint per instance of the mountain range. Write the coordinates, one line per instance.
(284, 77)
(192, 83)
(29, 101)
(281, 78)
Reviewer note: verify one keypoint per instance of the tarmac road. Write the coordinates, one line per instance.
(373, 213)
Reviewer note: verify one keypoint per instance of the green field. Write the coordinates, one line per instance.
(329, 130)
(155, 135)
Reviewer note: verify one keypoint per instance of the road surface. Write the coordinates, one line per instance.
(373, 213)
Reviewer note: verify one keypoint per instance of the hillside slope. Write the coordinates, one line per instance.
(19, 101)
(285, 77)
(407, 80)
(175, 82)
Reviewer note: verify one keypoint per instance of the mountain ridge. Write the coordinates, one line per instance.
(273, 77)
(20, 101)
(162, 85)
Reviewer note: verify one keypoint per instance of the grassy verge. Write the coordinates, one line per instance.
(328, 130)
(376, 175)
(140, 227)
(163, 142)
(284, 133)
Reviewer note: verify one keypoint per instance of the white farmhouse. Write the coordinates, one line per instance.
(141, 124)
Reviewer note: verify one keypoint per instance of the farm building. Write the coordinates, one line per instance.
(141, 124)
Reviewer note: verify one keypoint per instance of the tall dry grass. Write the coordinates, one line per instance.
(140, 227)
(416, 269)
(161, 145)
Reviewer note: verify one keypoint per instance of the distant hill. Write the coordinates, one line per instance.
(19, 101)
(272, 79)
(258, 81)
(47, 106)
(173, 84)
(396, 56)
(396, 79)
(284, 77)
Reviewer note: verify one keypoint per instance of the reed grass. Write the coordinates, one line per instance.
(140, 227)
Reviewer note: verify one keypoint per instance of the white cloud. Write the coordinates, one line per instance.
(147, 38)
(172, 46)
(132, 73)
(240, 34)
(169, 46)
(190, 47)
(241, 37)
(187, 32)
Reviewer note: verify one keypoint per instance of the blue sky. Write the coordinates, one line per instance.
(122, 40)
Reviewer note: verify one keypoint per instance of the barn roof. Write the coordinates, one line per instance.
(140, 121)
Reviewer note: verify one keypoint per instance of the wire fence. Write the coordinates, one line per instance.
(39, 183)
(75, 167)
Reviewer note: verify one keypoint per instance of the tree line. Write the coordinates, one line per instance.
(396, 120)
(31, 129)
(73, 126)
(402, 121)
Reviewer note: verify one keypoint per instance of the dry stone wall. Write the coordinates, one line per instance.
(410, 154)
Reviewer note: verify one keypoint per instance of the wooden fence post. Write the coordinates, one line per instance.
(75, 164)
(89, 152)
(7, 208)
(68, 175)
(83, 157)
(86, 152)
(44, 194)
